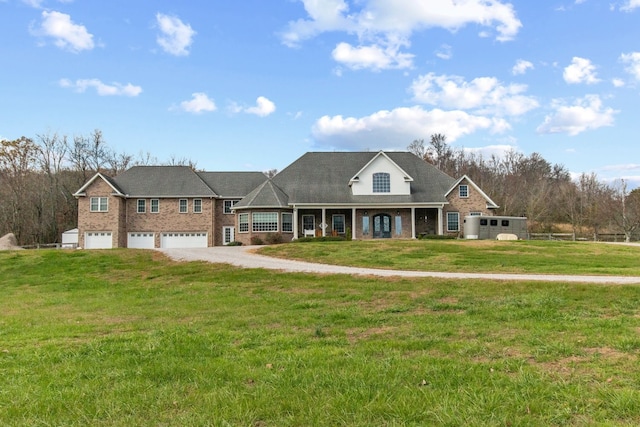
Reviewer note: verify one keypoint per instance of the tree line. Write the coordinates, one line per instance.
(543, 192)
(38, 177)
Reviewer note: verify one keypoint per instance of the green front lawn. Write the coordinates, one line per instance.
(477, 256)
(125, 337)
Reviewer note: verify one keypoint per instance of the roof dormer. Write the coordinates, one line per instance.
(381, 176)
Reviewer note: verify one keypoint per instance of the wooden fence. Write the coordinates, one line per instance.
(599, 237)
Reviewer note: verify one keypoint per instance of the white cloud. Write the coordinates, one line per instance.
(176, 36)
(33, 3)
(580, 71)
(38, 3)
(633, 63)
(393, 17)
(263, 107)
(102, 89)
(382, 27)
(521, 67)
(66, 34)
(485, 95)
(617, 82)
(586, 114)
(396, 129)
(374, 57)
(198, 104)
(445, 52)
(629, 5)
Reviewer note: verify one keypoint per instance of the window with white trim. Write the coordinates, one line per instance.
(243, 223)
(381, 182)
(155, 205)
(99, 204)
(183, 207)
(197, 205)
(287, 222)
(338, 223)
(463, 191)
(142, 206)
(264, 221)
(228, 206)
(453, 221)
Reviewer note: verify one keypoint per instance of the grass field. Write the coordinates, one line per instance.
(125, 337)
(486, 256)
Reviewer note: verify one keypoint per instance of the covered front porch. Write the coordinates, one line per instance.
(368, 222)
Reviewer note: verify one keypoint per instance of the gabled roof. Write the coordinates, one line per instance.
(267, 195)
(162, 181)
(490, 203)
(407, 177)
(232, 184)
(323, 178)
(106, 179)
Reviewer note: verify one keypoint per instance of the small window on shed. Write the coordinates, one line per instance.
(494, 222)
(505, 222)
(483, 222)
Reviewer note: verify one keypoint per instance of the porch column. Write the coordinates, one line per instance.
(324, 221)
(440, 225)
(295, 223)
(413, 223)
(353, 223)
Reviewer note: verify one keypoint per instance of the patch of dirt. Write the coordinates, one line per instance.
(356, 334)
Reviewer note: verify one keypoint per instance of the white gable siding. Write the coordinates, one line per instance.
(364, 185)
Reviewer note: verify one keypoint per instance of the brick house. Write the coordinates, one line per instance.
(365, 195)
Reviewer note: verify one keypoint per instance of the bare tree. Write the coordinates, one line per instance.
(626, 215)
(417, 147)
(17, 162)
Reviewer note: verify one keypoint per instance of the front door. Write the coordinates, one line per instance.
(382, 226)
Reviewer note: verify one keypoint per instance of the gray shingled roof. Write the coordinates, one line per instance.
(323, 177)
(315, 178)
(267, 195)
(162, 181)
(232, 184)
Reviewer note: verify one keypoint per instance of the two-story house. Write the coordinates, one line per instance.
(362, 195)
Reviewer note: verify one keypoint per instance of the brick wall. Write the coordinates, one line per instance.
(100, 221)
(169, 218)
(475, 202)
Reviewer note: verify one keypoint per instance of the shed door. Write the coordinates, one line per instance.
(98, 240)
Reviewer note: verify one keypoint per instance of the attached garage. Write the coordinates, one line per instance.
(98, 240)
(141, 240)
(184, 240)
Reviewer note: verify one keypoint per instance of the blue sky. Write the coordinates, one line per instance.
(254, 84)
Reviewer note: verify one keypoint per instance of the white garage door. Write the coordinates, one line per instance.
(98, 240)
(141, 240)
(183, 240)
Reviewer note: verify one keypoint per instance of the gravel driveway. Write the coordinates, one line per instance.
(245, 256)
